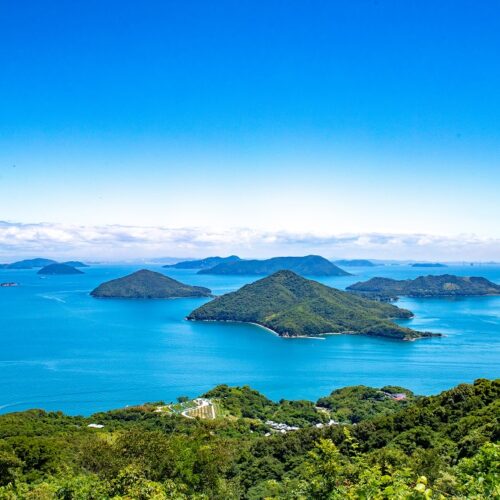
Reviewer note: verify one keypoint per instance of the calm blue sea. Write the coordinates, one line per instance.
(64, 350)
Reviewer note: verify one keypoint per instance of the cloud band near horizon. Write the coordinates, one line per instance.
(120, 242)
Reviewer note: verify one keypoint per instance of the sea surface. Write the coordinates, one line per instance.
(61, 349)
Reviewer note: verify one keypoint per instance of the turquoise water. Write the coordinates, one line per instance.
(63, 350)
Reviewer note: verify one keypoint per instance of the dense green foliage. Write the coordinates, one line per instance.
(146, 284)
(444, 446)
(59, 269)
(203, 263)
(427, 286)
(310, 265)
(291, 306)
(357, 403)
(355, 263)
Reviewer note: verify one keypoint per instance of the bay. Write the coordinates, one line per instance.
(61, 349)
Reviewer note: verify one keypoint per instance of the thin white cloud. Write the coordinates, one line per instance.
(116, 242)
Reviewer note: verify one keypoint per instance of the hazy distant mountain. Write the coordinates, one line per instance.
(75, 263)
(355, 263)
(311, 265)
(203, 263)
(426, 286)
(292, 306)
(29, 263)
(59, 269)
(147, 284)
(428, 264)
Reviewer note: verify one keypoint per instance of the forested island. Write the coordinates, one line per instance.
(293, 306)
(207, 263)
(55, 269)
(251, 448)
(145, 284)
(310, 265)
(446, 285)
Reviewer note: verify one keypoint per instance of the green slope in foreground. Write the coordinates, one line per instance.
(432, 448)
(293, 306)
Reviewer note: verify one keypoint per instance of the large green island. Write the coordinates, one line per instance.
(445, 285)
(293, 306)
(145, 284)
(310, 265)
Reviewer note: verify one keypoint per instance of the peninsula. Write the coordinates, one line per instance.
(293, 306)
(147, 284)
(445, 285)
(203, 263)
(59, 269)
(310, 265)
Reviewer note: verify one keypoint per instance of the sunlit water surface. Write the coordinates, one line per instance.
(62, 349)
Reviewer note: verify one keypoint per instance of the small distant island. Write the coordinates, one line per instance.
(203, 263)
(310, 265)
(428, 264)
(355, 263)
(145, 284)
(29, 263)
(75, 263)
(53, 269)
(445, 285)
(293, 306)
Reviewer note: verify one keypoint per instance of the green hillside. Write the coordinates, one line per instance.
(434, 448)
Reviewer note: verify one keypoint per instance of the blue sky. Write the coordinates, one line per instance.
(209, 119)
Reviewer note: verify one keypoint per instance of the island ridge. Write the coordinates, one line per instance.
(445, 285)
(310, 265)
(293, 306)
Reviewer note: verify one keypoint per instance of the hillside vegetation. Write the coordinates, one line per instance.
(291, 305)
(437, 447)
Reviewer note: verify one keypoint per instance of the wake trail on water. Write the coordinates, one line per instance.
(52, 297)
